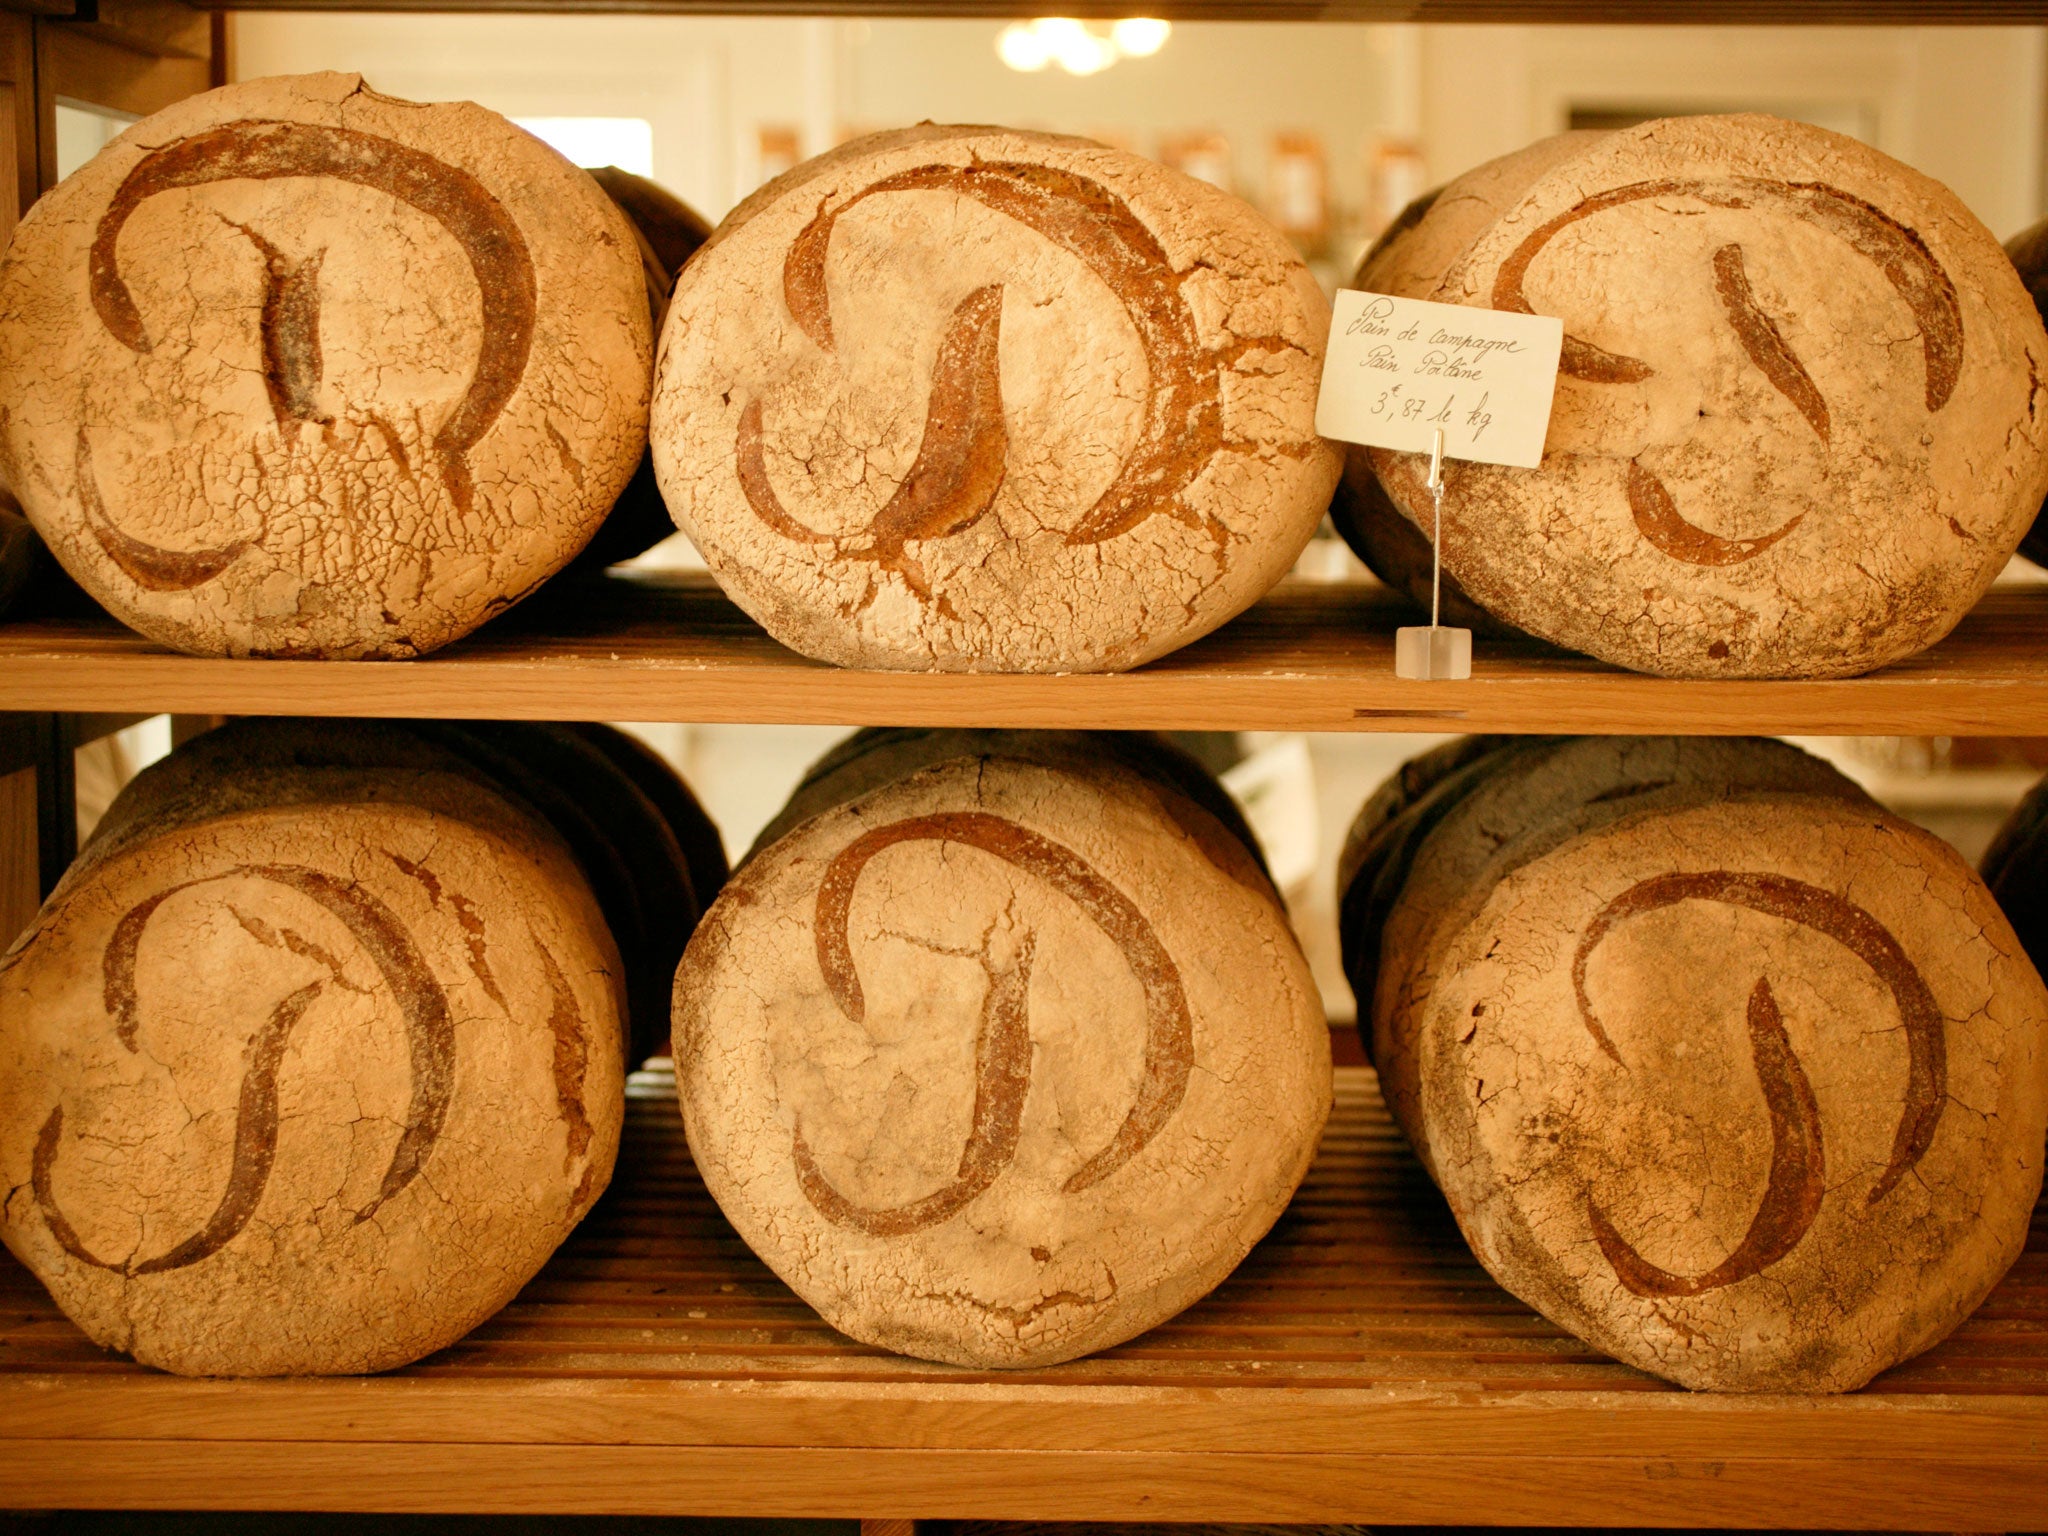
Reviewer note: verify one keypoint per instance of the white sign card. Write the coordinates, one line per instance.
(1400, 370)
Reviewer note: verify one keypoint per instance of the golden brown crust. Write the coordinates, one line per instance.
(906, 465)
(311, 1080)
(243, 432)
(993, 1061)
(1745, 476)
(1680, 1028)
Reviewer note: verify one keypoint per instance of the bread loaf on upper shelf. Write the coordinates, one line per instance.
(2029, 252)
(973, 399)
(998, 1047)
(311, 1060)
(1719, 1065)
(668, 232)
(1801, 420)
(295, 369)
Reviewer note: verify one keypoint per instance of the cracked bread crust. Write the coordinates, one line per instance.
(971, 399)
(294, 369)
(996, 1063)
(1508, 807)
(1745, 1087)
(309, 1081)
(1801, 418)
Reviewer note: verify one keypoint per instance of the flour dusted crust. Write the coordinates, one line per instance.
(292, 368)
(996, 1064)
(973, 399)
(307, 1086)
(1509, 807)
(1800, 422)
(1745, 1086)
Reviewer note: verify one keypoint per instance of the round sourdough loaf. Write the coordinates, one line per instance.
(1799, 422)
(295, 369)
(1003, 1058)
(965, 399)
(1746, 1087)
(621, 840)
(308, 1076)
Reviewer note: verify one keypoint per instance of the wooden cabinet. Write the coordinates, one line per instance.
(1359, 1367)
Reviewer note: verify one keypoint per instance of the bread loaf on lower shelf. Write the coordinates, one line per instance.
(649, 854)
(998, 1049)
(1718, 1064)
(306, 1066)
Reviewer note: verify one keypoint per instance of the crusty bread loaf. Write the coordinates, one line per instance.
(1719, 1065)
(667, 230)
(1002, 1054)
(1747, 474)
(306, 1071)
(291, 368)
(1399, 553)
(963, 399)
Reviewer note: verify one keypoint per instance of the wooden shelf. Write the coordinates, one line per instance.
(1359, 1366)
(1719, 12)
(1317, 658)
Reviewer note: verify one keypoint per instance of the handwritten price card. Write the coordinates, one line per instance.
(1398, 370)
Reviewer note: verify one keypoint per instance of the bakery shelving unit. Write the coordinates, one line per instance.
(1359, 1367)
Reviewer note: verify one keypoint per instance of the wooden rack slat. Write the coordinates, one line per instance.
(1309, 657)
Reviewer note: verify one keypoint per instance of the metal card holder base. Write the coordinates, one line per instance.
(1432, 653)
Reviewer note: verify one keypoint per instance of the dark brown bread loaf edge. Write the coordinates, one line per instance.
(703, 848)
(628, 853)
(668, 231)
(1383, 843)
(2029, 252)
(2015, 866)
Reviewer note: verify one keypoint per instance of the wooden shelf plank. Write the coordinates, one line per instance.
(1316, 658)
(1721, 12)
(1359, 1366)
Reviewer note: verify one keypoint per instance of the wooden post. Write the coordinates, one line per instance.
(19, 893)
(56, 738)
(20, 840)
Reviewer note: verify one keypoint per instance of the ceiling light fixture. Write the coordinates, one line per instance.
(1079, 47)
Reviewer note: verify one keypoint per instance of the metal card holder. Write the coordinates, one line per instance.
(1434, 654)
